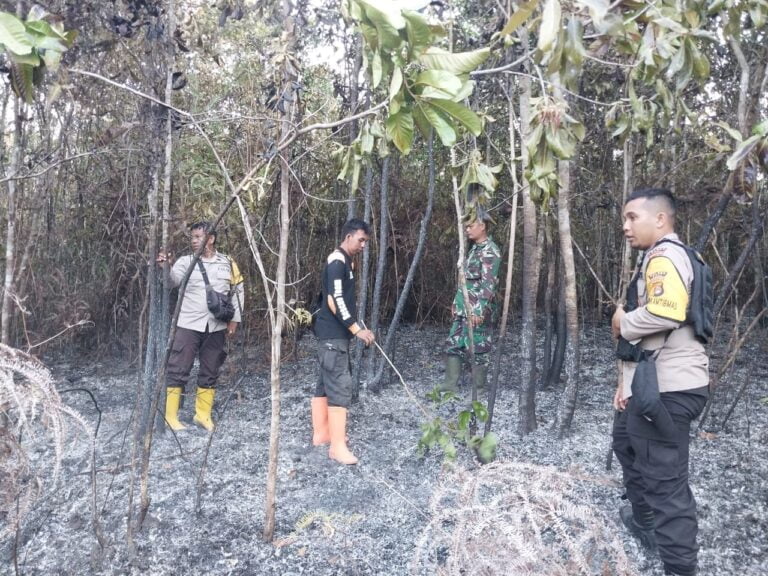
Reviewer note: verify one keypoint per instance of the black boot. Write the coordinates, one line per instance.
(640, 525)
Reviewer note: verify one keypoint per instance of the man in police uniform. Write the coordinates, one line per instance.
(335, 325)
(481, 274)
(654, 458)
(198, 333)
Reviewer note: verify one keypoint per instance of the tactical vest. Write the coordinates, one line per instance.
(700, 312)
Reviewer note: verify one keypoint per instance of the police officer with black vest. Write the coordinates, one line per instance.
(651, 433)
(335, 325)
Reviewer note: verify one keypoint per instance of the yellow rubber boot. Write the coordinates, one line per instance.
(203, 407)
(172, 401)
(320, 433)
(337, 425)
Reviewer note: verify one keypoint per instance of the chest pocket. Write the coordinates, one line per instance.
(222, 274)
(474, 269)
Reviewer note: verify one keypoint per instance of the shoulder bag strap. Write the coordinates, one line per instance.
(205, 275)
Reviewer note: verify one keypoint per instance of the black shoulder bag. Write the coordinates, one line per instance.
(220, 305)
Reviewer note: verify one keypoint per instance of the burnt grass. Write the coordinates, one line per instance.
(207, 498)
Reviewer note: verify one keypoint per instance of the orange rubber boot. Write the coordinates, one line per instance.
(320, 433)
(337, 424)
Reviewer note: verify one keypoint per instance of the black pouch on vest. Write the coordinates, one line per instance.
(646, 400)
(627, 351)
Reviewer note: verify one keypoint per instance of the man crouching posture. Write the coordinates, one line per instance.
(652, 445)
(336, 324)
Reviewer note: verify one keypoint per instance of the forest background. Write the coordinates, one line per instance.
(124, 122)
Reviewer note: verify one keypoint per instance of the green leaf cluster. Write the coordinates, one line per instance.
(426, 85)
(32, 46)
(444, 435)
(477, 199)
(554, 136)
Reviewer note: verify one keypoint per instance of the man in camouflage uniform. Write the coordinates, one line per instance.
(481, 274)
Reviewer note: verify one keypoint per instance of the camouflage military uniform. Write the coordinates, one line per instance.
(481, 273)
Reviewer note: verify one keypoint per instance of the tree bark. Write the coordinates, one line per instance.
(381, 263)
(10, 234)
(290, 75)
(526, 410)
(572, 351)
(494, 382)
(423, 230)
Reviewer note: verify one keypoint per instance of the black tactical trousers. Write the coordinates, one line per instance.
(655, 470)
(335, 378)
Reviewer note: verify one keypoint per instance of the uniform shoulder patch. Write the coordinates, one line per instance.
(667, 295)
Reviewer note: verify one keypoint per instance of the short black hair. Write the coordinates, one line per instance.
(353, 225)
(662, 194)
(206, 226)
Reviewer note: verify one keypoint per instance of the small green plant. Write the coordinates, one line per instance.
(446, 434)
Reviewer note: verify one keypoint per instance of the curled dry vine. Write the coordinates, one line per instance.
(517, 518)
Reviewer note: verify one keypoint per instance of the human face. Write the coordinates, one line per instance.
(355, 243)
(643, 223)
(475, 231)
(198, 237)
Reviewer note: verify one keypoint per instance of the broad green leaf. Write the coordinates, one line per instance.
(484, 175)
(52, 59)
(461, 113)
(431, 92)
(465, 92)
(13, 34)
(597, 9)
(480, 411)
(532, 143)
(371, 35)
(562, 146)
(351, 9)
(440, 79)
(578, 130)
(418, 31)
(345, 163)
(42, 28)
(21, 80)
(464, 418)
(366, 141)
(400, 130)
(486, 450)
(31, 59)
(549, 29)
(396, 83)
(700, 62)
(36, 13)
(48, 43)
(442, 125)
(761, 129)
(376, 68)
(519, 17)
(742, 151)
(758, 15)
(388, 21)
(421, 122)
(383, 11)
(456, 62)
(574, 49)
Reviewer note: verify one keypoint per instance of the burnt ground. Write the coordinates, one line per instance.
(396, 512)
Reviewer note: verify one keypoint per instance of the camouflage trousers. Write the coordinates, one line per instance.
(457, 343)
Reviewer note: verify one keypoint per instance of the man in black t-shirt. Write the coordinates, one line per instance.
(336, 324)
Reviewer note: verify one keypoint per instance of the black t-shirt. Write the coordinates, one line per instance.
(339, 282)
